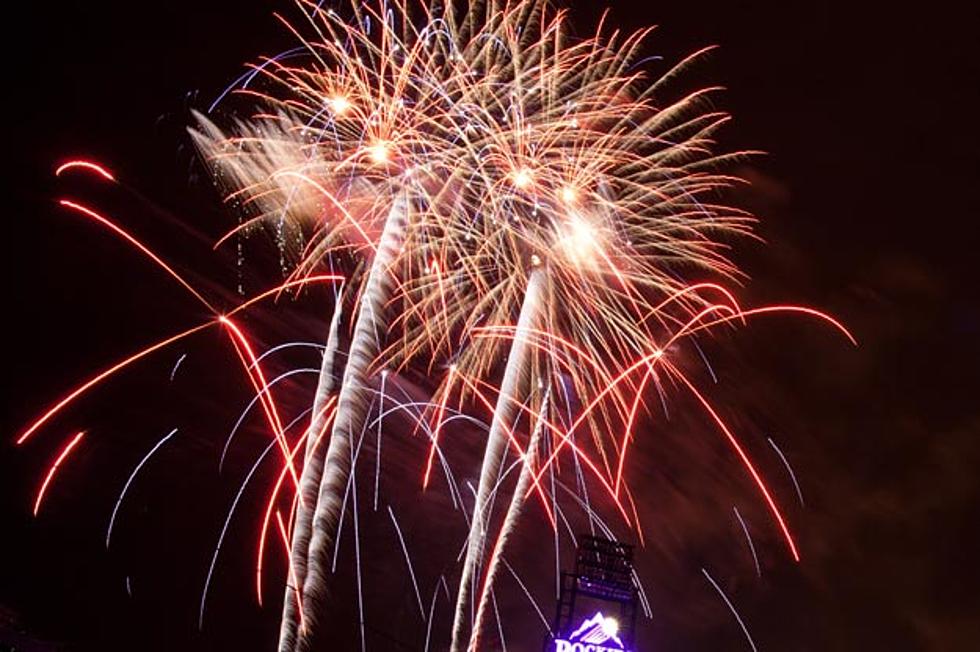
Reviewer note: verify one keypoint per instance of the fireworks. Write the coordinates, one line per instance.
(544, 176)
(515, 211)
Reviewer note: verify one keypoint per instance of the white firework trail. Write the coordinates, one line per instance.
(408, 561)
(132, 476)
(357, 545)
(510, 522)
(731, 607)
(796, 484)
(352, 411)
(745, 529)
(527, 594)
(348, 492)
(224, 531)
(412, 408)
(377, 452)
(497, 445)
(309, 483)
(432, 612)
(500, 624)
(173, 372)
(283, 346)
(256, 398)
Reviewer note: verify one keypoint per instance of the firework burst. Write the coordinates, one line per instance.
(517, 212)
(545, 176)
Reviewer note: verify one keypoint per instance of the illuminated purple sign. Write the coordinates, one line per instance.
(597, 634)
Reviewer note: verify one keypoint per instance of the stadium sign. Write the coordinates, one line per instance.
(596, 634)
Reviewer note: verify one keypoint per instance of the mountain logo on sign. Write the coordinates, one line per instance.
(597, 634)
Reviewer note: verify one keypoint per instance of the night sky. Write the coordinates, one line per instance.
(867, 199)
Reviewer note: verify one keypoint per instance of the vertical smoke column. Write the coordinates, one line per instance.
(352, 407)
(493, 456)
(309, 484)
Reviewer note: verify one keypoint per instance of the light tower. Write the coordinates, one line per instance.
(604, 573)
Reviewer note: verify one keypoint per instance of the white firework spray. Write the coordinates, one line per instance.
(496, 448)
(310, 483)
(353, 405)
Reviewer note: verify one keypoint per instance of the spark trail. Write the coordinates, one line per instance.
(496, 446)
(310, 482)
(352, 413)
(509, 524)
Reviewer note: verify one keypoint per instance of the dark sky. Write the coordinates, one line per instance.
(867, 197)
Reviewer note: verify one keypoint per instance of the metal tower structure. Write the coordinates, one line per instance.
(603, 571)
